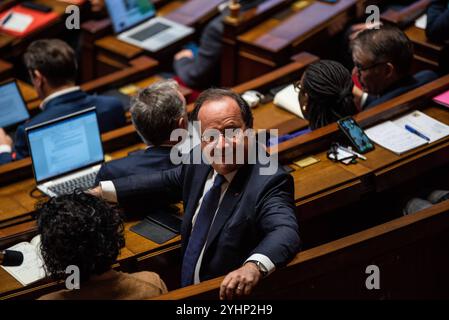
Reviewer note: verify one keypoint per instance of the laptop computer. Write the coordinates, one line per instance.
(66, 152)
(134, 21)
(13, 109)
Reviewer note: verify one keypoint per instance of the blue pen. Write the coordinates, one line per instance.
(414, 131)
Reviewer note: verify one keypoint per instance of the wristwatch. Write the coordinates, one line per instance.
(262, 269)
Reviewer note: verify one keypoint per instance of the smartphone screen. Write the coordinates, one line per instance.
(356, 134)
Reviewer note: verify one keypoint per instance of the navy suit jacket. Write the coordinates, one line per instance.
(148, 161)
(438, 21)
(109, 110)
(402, 87)
(256, 215)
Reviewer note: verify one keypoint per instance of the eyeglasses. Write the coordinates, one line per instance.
(361, 68)
(229, 134)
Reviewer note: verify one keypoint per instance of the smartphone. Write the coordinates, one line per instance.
(355, 134)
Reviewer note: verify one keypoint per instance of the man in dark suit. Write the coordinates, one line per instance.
(52, 66)
(239, 218)
(203, 69)
(156, 111)
(383, 59)
(437, 28)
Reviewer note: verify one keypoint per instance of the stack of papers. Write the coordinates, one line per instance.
(394, 136)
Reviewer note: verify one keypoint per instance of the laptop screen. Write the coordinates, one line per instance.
(13, 109)
(128, 13)
(65, 145)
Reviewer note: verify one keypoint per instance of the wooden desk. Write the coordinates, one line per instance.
(305, 25)
(411, 253)
(427, 54)
(335, 180)
(234, 27)
(112, 53)
(16, 202)
(12, 47)
(6, 70)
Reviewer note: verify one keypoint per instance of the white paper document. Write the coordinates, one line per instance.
(421, 22)
(17, 22)
(392, 137)
(431, 128)
(287, 99)
(32, 268)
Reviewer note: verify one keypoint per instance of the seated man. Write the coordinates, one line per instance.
(52, 66)
(156, 111)
(239, 215)
(83, 231)
(202, 70)
(383, 59)
(437, 28)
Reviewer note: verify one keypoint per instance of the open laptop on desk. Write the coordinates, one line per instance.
(66, 152)
(13, 109)
(135, 22)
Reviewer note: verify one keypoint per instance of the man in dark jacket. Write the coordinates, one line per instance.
(52, 67)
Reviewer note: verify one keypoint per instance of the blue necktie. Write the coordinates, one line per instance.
(199, 233)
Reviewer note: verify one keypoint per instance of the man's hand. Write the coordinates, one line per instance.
(185, 53)
(240, 282)
(4, 138)
(97, 192)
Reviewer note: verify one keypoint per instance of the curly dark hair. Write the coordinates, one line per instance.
(79, 229)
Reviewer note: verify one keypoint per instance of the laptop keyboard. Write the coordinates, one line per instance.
(83, 183)
(144, 34)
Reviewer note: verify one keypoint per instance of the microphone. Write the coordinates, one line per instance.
(11, 258)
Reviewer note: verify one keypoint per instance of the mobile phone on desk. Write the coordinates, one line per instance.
(355, 134)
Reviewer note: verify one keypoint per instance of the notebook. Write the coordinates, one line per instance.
(66, 152)
(394, 136)
(32, 268)
(287, 99)
(442, 99)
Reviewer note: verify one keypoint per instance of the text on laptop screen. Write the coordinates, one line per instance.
(65, 146)
(12, 107)
(128, 13)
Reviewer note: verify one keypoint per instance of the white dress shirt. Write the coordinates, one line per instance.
(109, 194)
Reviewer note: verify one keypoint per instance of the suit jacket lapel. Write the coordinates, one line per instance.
(194, 194)
(230, 200)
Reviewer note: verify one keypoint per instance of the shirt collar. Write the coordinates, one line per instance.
(229, 176)
(58, 94)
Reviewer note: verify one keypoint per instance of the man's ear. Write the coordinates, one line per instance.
(389, 70)
(182, 122)
(38, 78)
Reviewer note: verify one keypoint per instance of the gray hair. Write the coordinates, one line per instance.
(155, 111)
